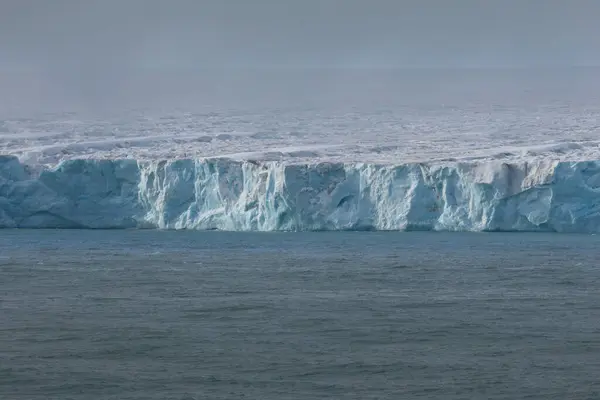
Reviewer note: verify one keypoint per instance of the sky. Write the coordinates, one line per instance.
(121, 34)
(104, 53)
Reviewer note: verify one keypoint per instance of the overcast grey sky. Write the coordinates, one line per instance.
(196, 33)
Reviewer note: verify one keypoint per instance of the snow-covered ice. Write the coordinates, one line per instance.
(398, 136)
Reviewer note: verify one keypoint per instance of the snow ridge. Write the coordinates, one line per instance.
(233, 195)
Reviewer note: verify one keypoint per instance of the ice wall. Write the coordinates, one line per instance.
(229, 195)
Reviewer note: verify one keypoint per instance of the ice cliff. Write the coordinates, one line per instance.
(229, 195)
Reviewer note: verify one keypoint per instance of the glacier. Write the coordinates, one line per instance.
(224, 194)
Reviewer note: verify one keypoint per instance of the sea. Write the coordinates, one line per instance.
(182, 315)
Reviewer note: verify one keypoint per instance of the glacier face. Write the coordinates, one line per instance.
(269, 196)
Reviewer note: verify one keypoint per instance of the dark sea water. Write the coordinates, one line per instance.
(192, 315)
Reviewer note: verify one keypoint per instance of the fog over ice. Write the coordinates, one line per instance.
(423, 78)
